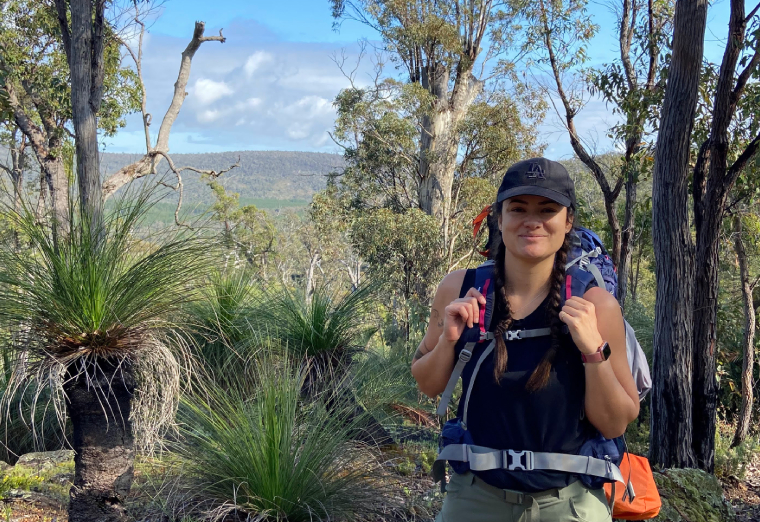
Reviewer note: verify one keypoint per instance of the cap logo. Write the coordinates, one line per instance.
(535, 172)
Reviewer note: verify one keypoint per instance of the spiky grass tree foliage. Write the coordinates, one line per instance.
(220, 320)
(257, 447)
(93, 308)
(324, 334)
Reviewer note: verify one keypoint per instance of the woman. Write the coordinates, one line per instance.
(533, 394)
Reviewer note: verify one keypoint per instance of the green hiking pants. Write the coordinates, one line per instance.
(469, 499)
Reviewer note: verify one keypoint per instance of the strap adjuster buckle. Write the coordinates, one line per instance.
(465, 355)
(513, 334)
(517, 462)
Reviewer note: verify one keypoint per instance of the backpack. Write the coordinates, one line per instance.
(598, 460)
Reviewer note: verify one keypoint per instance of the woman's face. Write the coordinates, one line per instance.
(533, 227)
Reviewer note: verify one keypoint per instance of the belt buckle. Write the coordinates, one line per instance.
(465, 355)
(516, 460)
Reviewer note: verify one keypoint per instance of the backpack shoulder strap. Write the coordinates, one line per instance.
(480, 278)
(577, 282)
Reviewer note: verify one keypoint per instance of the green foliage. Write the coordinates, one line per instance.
(248, 231)
(35, 62)
(325, 331)
(99, 289)
(691, 495)
(22, 479)
(220, 319)
(732, 462)
(260, 449)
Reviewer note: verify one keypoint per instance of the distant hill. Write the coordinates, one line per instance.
(261, 174)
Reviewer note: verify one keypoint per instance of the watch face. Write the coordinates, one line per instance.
(606, 351)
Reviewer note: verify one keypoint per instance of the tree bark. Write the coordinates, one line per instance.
(626, 240)
(84, 56)
(710, 200)
(671, 428)
(745, 413)
(99, 406)
(439, 141)
(46, 144)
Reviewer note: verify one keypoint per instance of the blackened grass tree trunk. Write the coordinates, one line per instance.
(745, 413)
(714, 176)
(671, 425)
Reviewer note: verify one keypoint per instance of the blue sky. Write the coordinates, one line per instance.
(271, 85)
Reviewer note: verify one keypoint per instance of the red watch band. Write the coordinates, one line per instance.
(600, 355)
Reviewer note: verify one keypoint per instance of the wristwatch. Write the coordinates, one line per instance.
(601, 355)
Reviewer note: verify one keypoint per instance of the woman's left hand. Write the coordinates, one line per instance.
(580, 317)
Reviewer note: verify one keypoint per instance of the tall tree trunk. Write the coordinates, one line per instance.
(626, 240)
(710, 200)
(58, 184)
(316, 257)
(85, 57)
(671, 429)
(745, 414)
(439, 141)
(99, 406)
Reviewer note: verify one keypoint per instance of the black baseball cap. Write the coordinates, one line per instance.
(538, 177)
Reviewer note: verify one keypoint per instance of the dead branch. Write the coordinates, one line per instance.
(179, 187)
(147, 164)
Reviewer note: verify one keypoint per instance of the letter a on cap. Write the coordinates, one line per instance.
(535, 172)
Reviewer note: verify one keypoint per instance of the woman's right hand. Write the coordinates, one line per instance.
(462, 313)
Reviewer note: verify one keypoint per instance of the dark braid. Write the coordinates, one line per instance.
(502, 311)
(540, 376)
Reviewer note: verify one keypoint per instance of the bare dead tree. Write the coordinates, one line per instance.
(154, 154)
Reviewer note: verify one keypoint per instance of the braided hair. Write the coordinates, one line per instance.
(502, 310)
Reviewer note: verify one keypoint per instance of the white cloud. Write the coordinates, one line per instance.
(208, 91)
(208, 116)
(255, 61)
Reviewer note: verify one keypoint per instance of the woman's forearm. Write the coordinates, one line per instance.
(432, 370)
(608, 406)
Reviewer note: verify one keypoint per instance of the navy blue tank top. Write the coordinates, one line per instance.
(505, 415)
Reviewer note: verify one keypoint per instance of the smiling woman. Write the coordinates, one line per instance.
(553, 378)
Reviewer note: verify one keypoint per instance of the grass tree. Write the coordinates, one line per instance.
(258, 447)
(324, 334)
(220, 319)
(94, 309)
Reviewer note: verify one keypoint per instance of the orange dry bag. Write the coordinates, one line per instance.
(646, 503)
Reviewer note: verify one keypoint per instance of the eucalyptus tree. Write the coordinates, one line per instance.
(725, 151)
(444, 48)
(672, 415)
(557, 39)
(35, 91)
